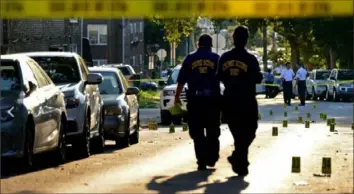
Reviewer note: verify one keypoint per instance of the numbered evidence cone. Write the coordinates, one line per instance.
(275, 131)
(307, 124)
(285, 105)
(326, 165)
(172, 128)
(308, 115)
(285, 114)
(296, 165)
(285, 123)
(329, 122)
(270, 112)
(300, 119)
(259, 116)
(152, 125)
(296, 107)
(324, 116)
(314, 106)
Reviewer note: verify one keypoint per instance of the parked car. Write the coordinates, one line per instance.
(127, 70)
(83, 100)
(33, 115)
(340, 85)
(121, 107)
(167, 97)
(316, 83)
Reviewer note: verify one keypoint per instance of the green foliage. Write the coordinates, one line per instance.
(149, 99)
(176, 28)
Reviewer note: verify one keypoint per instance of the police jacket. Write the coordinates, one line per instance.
(240, 72)
(199, 72)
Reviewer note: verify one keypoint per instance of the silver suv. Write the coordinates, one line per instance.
(82, 96)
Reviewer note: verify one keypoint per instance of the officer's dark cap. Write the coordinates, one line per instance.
(240, 35)
(205, 40)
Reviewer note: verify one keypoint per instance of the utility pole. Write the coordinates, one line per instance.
(265, 45)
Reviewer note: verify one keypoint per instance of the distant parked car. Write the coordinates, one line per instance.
(316, 83)
(33, 115)
(127, 70)
(336, 88)
(121, 107)
(83, 100)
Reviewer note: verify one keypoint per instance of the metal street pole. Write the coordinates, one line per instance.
(123, 40)
(82, 35)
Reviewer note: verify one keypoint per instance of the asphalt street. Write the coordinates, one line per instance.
(164, 162)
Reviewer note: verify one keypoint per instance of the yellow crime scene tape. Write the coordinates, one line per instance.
(173, 8)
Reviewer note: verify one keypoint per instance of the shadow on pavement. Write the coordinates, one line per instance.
(191, 181)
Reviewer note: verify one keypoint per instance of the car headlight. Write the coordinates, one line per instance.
(113, 111)
(72, 102)
(7, 115)
(168, 93)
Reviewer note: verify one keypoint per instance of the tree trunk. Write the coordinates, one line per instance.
(265, 56)
(332, 58)
(295, 52)
(274, 42)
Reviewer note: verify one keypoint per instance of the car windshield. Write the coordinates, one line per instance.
(124, 70)
(345, 75)
(173, 78)
(10, 76)
(110, 84)
(60, 69)
(322, 75)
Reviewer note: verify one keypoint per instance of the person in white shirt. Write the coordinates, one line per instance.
(287, 76)
(278, 70)
(301, 83)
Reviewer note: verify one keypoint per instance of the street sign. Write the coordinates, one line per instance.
(161, 54)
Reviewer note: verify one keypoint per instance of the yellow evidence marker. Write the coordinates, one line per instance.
(307, 124)
(328, 122)
(314, 106)
(296, 164)
(326, 165)
(270, 112)
(285, 123)
(184, 126)
(285, 114)
(285, 105)
(259, 116)
(152, 125)
(275, 131)
(300, 119)
(308, 115)
(172, 128)
(296, 107)
(324, 116)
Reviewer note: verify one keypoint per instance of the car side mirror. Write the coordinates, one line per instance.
(94, 78)
(132, 90)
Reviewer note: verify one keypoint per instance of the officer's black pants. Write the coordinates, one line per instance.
(242, 118)
(287, 91)
(204, 113)
(268, 88)
(301, 87)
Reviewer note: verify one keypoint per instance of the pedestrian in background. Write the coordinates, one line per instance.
(301, 83)
(239, 71)
(203, 96)
(269, 79)
(287, 76)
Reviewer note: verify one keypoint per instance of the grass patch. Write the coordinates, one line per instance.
(149, 99)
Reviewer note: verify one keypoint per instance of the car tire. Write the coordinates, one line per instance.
(165, 118)
(60, 152)
(313, 96)
(83, 145)
(99, 142)
(122, 142)
(26, 162)
(134, 138)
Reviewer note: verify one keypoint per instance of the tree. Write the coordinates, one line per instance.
(175, 30)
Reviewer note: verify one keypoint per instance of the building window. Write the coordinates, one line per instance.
(141, 27)
(133, 60)
(141, 60)
(99, 62)
(131, 28)
(135, 27)
(97, 34)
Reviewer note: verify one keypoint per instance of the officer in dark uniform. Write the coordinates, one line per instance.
(203, 96)
(240, 72)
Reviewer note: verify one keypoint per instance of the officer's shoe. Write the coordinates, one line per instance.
(202, 167)
(237, 169)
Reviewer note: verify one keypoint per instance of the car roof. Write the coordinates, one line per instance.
(15, 57)
(321, 70)
(117, 65)
(103, 69)
(51, 53)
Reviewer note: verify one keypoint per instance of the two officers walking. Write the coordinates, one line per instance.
(239, 71)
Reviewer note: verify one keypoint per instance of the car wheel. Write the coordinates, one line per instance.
(314, 96)
(165, 118)
(27, 161)
(61, 150)
(83, 144)
(123, 142)
(134, 138)
(99, 143)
